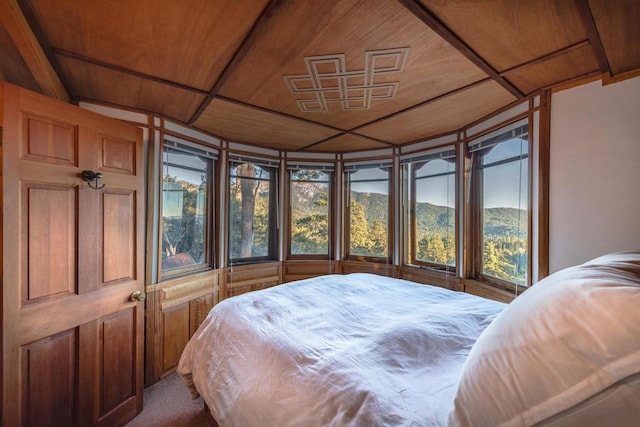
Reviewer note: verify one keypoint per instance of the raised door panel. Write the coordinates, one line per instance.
(118, 236)
(118, 155)
(50, 377)
(117, 360)
(48, 240)
(48, 141)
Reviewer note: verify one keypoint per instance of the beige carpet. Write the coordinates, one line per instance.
(168, 404)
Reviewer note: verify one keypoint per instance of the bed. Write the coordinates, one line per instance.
(367, 350)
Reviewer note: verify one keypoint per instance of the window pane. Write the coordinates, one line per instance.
(184, 209)
(369, 219)
(310, 206)
(250, 207)
(435, 212)
(505, 211)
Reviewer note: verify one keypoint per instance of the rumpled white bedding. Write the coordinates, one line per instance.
(338, 350)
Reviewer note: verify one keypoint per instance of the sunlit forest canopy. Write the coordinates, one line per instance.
(310, 205)
(369, 211)
(505, 169)
(434, 219)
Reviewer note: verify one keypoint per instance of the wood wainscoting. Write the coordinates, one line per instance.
(251, 277)
(428, 277)
(347, 267)
(305, 269)
(175, 309)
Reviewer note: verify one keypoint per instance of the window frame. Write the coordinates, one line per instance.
(330, 171)
(209, 234)
(347, 168)
(273, 168)
(475, 205)
(411, 219)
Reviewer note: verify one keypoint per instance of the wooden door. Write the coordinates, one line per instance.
(72, 256)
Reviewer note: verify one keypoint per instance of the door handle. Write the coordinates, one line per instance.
(137, 296)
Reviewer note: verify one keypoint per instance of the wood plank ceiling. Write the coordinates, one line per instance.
(315, 75)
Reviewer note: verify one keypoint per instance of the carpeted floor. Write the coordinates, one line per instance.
(168, 403)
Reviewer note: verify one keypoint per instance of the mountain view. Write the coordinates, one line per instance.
(505, 240)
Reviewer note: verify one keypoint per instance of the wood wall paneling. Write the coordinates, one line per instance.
(198, 310)
(298, 270)
(175, 309)
(347, 267)
(480, 289)
(246, 278)
(419, 275)
(175, 334)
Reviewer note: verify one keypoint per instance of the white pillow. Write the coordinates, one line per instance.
(569, 338)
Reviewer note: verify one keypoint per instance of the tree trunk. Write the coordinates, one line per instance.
(248, 208)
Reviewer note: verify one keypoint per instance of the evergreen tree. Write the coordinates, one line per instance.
(359, 237)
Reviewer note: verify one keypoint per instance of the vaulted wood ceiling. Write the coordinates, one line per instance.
(378, 73)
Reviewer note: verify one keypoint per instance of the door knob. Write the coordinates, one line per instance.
(138, 296)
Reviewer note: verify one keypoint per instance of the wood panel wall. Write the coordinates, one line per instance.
(175, 309)
(420, 275)
(246, 278)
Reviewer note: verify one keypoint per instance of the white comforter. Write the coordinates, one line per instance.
(339, 350)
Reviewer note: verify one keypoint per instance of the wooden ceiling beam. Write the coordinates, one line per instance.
(32, 53)
(547, 57)
(421, 104)
(315, 144)
(124, 70)
(592, 33)
(278, 113)
(242, 50)
(422, 13)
